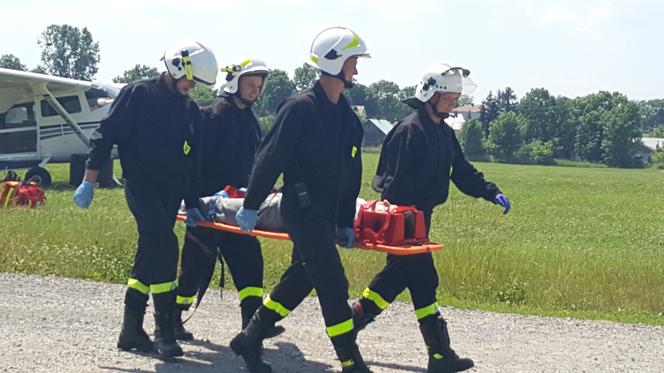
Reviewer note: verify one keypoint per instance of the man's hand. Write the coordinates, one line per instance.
(502, 200)
(346, 237)
(246, 219)
(193, 214)
(84, 194)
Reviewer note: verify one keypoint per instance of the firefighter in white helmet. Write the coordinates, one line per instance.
(315, 142)
(231, 135)
(155, 125)
(419, 158)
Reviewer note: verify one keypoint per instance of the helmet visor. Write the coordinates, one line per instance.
(467, 84)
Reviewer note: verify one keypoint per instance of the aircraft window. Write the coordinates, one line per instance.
(98, 97)
(18, 116)
(70, 103)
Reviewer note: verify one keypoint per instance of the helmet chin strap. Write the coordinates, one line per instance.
(439, 114)
(340, 76)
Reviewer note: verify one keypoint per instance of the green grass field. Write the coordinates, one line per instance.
(579, 242)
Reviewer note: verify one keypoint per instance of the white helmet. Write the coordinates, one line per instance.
(250, 66)
(333, 46)
(193, 61)
(442, 77)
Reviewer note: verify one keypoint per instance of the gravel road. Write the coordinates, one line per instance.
(50, 324)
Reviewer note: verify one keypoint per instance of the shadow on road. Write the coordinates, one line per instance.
(212, 357)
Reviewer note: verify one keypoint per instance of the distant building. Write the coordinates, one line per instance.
(375, 131)
(468, 111)
(649, 145)
(461, 114)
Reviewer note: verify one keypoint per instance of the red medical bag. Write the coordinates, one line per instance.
(384, 223)
(17, 193)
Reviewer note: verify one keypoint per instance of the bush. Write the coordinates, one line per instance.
(536, 152)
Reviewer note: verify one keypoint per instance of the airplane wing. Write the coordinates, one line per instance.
(17, 86)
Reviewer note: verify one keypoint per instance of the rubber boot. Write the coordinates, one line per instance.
(133, 336)
(181, 334)
(361, 318)
(248, 344)
(349, 356)
(165, 343)
(442, 358)
(247, 309)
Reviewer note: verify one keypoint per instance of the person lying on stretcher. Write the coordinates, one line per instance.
(375, 221)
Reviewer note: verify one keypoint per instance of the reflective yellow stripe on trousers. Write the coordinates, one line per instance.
(376, 298)
(138, 286)
(339, 329)
(250, 291)
(276, 307)
(164, 287)
(423, 312)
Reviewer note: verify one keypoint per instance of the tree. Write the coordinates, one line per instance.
(305, 77)
(465, 100)
(277, 88)
(357, 95)
(488, 112)
(138, 72)
(540, 110)
(69, 52)
(506, 100)
(505, 135)
(653, 113)
(202, 94)
(9, 61)
(383, 100)
(472, 140)
(622, 134)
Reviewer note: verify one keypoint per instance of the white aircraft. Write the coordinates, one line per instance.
(47, 119)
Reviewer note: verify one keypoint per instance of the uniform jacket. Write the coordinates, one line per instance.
(417, 161)
(316, 142)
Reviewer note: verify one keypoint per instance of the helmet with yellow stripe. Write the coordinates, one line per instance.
(248, 67)
(192, 61)
(333, 46)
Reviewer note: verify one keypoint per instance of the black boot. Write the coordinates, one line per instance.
(247, 309)
(350, 357)
(442, 358)
(248, 344)
(133, 336)
(361, 318)
(165, 343)
(181, 334)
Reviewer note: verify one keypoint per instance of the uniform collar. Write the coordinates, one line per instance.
(321, 96)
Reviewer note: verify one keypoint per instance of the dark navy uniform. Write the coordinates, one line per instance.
(316, 144)
(417, 161)
(155, 130)
(229, 142)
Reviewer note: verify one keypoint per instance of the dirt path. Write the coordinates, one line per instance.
(52, 324)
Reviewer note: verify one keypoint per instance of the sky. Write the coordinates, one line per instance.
(572, 48)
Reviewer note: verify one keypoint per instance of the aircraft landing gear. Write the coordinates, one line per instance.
(39, 175)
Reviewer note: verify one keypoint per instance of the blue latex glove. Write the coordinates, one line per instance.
(221, 194)
(246, 219)
(502, 200)
(212, 211)
(193, 214)
(346, 237)
(84, 194)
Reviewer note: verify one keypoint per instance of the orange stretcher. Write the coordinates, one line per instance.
(395, 250)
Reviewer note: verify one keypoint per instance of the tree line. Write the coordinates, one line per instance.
(602, 127)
